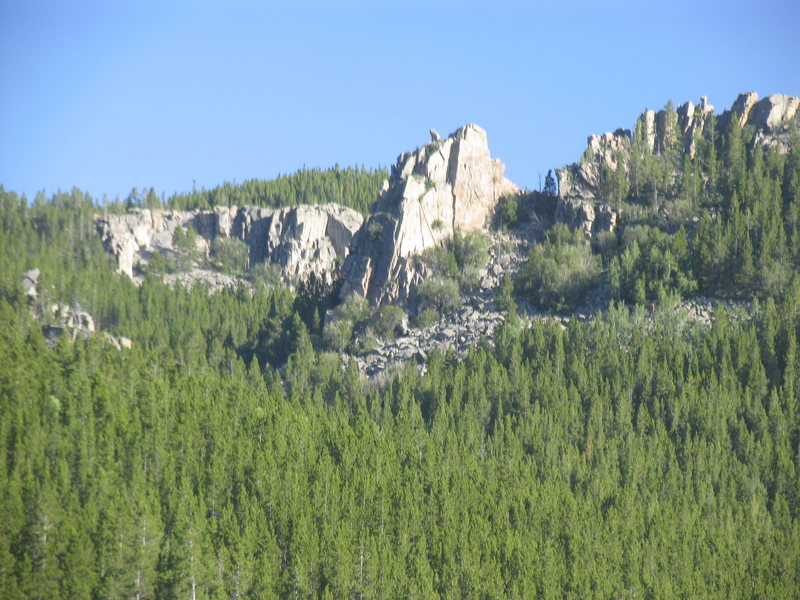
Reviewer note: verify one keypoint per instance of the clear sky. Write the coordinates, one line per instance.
(111, 94)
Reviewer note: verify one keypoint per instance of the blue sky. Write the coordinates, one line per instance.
(111, 95)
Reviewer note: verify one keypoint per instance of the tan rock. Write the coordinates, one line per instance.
(444, 186)
(774, 112)
(303, 239)
(742, 106)
(306, 240)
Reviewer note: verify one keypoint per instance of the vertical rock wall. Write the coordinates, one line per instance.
(445, 186)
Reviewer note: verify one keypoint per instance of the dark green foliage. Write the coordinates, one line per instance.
(223, 456)
(442, 261)
(560, 270)
(386, 320)
(229, 255)
(600, 459)
(508, 211)
(733, 208)
(185, 243)
(651, 266)
(351, 317)
(439, 294)
(550, 184)
(265, 273)
(354, 187)
(426, 318)
(471, 254)
(375, 231)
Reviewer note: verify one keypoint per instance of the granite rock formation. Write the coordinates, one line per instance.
(770, 117)
(445, 186)
(302, 240)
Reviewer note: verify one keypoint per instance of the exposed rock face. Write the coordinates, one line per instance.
(773, 113)
(310, 239)
(658, 131)
(589, 218)
(582, 180)
(772, 117)
(30, 281)
(741, 107)
(302, 239)
(62, 319)
(692, 122)
(444, 186)
(211, 281)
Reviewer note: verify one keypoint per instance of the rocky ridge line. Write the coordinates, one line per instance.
(771, 117)
(301, 240)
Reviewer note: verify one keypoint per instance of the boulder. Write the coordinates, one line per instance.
(30, 281)
(588, 217)
(445, 186)
(774, 112)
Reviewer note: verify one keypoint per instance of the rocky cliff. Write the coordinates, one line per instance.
(301, 240)
(771, 119)
(446, 185)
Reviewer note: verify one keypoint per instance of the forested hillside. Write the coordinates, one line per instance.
(611, 459)
(227, 454)
(349, 186)
(720, 220)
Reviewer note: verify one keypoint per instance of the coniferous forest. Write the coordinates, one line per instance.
(227, 454)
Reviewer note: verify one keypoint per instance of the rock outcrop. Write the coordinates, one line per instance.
(302, 240)
(59, 320)
(307, 240)
(657, 132)
(445, 186)
(586, 216)
(30, 283)
(772, 118)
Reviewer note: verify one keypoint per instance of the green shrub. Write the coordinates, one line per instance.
(508, 211)
(604, 243)
(426, 318)
(652, 264)
(441, 260)
(469, 278)
(336, 335)
(355, 309)
(157, 264)
(505, 297)
(470, 249)
(348, 320)
(560, 270)
(230, 255)
(375, 231)
(386, 320)
(184, 243)
(440, 294)
(184, 239)
(365, 345)
(266, 273)
(460, 260)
